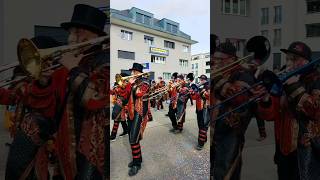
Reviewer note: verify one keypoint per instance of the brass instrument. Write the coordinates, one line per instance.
(122, 80)
(259, 46)
(33, 60)
(163, 90)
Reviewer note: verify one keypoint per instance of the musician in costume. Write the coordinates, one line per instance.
(201, 93)
(119, 111)
(295, 112)
(138, 109)
(36, 122)
(173, 93)
(83, 145)
(183, 96)
(153, 87)
(159, 100)
(229, 135)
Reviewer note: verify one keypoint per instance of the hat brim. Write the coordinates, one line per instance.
(135, 69)
(286, 51)
(68, 25)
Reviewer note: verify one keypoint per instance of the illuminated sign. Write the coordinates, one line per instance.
(159, 51)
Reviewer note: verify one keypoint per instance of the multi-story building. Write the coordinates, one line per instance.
(281, 21)
(158, 44)
(200, 64)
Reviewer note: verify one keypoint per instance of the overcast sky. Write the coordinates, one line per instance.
(193, 16)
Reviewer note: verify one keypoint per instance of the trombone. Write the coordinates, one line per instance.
(259, 48)
(33, 60)
(123, 80)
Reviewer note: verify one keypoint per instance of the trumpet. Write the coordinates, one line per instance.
(33, 60)
(258, 46)
(123, 80)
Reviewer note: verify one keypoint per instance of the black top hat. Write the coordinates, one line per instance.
(137, 67)
(300, 49)
(203, 77)
(87, 17)
(190, 76)
(174, 75)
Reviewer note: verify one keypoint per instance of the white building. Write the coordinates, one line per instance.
(200, 64)
(281, 21)
(136, 36)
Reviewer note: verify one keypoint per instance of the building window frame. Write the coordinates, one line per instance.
(126, 55)
(126, 35)
(158, 59)
(264, 16)
(186, 48)
(311, 8)
(312, 30)
(241, 6)
(166, 75)
(149, 40)
(277, 37)
(277, 15)
(169, 44)
(183, 63)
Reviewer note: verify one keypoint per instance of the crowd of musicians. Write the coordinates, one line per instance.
(134, 95)
(59, 120)
(289, 98)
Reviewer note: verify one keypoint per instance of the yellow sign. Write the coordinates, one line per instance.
(159, 51)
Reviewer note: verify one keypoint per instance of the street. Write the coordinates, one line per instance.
(168, 156)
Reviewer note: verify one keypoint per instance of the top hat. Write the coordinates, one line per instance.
(203, 77)
(190, 76)
(87, 17)
(137, 67)
(299, 49)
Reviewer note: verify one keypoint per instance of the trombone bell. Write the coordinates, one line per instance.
(29, 57)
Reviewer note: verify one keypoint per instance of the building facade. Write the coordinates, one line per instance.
(136, 36)
(200, 64)
(281, 21)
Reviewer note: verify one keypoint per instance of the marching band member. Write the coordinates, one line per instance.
(36, 122)
(138, 110)
(181, 102)
(84, 127)
(201, 95)
(229, 132)
(173, 93)
(296, 118)
(159, 102)
(119, 111)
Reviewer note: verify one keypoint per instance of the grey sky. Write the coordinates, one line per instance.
(193, 16)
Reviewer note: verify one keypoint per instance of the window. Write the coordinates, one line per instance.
(277, 61)
(234, 7)
(192, 66)
(158, 59)
(195, 58)
(126, 35)
(313, 30)
(172, 28)
(169, 44)
(125, 55)
(265, 33)
(277, 14)
(185, 48)
(313, 6)
(196, 66)
(208, 63)
(277, 37)
(183, 63)
(166, 75)
(148, 40)
(196, 73)
(144, 19)
(208, 71)
(264, 16)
